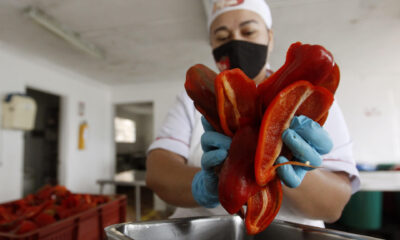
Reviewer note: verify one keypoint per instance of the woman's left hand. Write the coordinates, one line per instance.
(307, 141)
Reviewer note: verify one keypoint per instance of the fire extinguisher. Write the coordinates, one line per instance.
(83, 135)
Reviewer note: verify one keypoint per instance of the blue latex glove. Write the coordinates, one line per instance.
(307, 140)
(205, 183)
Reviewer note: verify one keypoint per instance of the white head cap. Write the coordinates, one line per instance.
(217, 7)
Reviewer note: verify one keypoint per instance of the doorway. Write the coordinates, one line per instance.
(41, 150)
(133, 136)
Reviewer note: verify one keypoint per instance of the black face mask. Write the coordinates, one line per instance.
(249, 57)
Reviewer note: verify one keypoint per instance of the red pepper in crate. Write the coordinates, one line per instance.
(49, 204)
(26, 226)
(8, 220)
(44, 193)
(72, 201)
(61, 212)
(4, 214)
(44, 218)
(303, 86)
(60, 191)
(28, 200)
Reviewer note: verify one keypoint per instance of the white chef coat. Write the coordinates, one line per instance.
(182, 130)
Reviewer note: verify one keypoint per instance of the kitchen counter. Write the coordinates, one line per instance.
(132, 178)
(381, 181)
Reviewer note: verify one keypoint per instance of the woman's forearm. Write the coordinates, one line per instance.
(321, 195)
(170, 178)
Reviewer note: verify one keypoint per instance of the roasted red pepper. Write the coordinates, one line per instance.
(234, 107)
(298, 98)
(236, 101)
(236, 180)
(199, 86)
(312, 63)
(44, 219)
(263, 207)
(239, 116)
(49, 204)
(26, 226)
(277, 119)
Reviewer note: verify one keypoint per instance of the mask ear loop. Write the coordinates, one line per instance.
(270, 44)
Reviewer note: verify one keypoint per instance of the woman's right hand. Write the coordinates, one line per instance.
(205, 183)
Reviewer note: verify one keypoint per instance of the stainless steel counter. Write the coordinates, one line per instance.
(219, 228)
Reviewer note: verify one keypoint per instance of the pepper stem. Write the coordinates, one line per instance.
(294, 163)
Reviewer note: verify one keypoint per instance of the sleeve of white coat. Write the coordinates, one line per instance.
(340, 159)
(175, 133)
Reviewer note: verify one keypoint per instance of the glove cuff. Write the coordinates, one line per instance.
(200, 193)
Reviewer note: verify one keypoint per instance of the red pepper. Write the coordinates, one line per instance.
(263, 207)
(5, 214)
(72, 201)
(236, 179)
(43, 208)
(62, 212)
(44, 219)
(60, 191)
(44, 193)
(236, 100)
(316, 106)
(277, 118)
(32, 211)
(26, 226)
(199, 86)
(8, 220)
(234, 106)
(312, 63)
(301, 98)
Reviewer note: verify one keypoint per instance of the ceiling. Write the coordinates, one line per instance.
(139, 37)
(157, 40)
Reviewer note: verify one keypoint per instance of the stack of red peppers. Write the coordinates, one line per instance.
(255, 117)
(48, 205)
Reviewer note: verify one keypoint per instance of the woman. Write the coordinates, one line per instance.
(241, 36)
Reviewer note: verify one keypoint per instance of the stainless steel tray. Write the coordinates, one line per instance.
(219, 228)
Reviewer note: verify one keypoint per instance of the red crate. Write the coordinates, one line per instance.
(87, 225)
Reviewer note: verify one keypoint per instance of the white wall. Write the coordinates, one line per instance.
(78, 170)
(364, 37)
